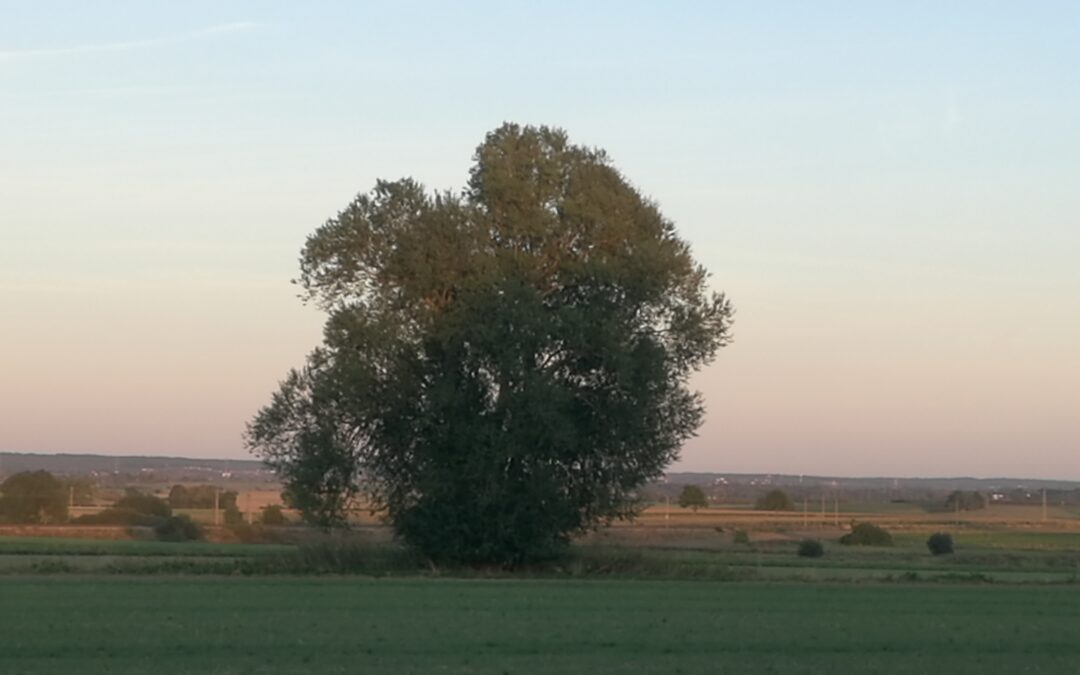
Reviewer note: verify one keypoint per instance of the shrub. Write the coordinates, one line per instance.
(201, 497)
(247, 534)
(118, 516)
(133, 509)
(273, 515)
(740, 537)
(811, 548)
(233, 516)
(178, 528)
(940, 543)
(776, 500)
(866, 534)
(145, 504)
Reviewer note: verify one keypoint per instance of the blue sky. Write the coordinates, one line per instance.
(886, 190)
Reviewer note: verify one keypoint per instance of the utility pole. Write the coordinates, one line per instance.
(1044, 505)
(836, 511)
(805, 513)
(823, 510)
(217, 494)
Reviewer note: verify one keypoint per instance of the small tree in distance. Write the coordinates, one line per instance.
(33, 497)
(775, 500)
(692, 497)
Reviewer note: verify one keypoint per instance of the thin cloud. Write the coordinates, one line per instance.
(130, 45)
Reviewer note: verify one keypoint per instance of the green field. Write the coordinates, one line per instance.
(1004, 557)
(656, 602)
(96, 547)
(164, 625)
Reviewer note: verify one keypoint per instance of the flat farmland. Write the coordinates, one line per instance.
(162, 625)
(897, 515)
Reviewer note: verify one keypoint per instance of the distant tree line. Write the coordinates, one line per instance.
(930, 498)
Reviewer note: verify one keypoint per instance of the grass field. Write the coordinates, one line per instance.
(669, 599)
(628, 553)
(333, 625)
(94, 547)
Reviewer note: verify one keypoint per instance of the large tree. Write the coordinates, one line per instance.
(501, 367)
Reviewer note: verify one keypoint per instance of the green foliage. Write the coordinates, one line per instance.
(965, 501)
(80, 491)
(233, 516)
(811, 548)
(201, 497)
(692, 497)
(133, 509)
(33, 497)
(501, 368)
(740, 537)
(775, 500)
(940, 543)
(118, 516)
(867, 534)
(148, 505)
(273, 515)
(178, 528)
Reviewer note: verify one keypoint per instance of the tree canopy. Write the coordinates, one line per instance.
(145, 504)
(33, 497)
(692, 497)
(201, 497)
(775, 500)
(501, 367)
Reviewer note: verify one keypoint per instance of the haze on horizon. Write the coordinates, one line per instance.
(888, 195)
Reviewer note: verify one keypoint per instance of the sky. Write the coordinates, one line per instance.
(886, 191)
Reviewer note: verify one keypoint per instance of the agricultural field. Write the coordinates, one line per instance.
(898, 515)
(1001, 545)
(677, 595)
(169, 625)
(19, 555)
